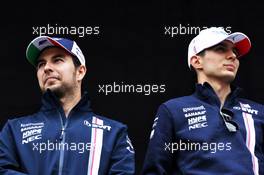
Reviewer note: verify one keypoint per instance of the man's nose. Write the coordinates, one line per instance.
(48, 67)
(231, 55)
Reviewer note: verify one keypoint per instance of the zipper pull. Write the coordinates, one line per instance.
(62, 133)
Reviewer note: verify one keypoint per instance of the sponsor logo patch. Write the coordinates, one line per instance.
(31, 132)
(99, 126)
(196, 117)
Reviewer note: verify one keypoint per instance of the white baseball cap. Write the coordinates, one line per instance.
(215, 35)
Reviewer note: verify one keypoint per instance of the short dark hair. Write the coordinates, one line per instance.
(202, 53)
(76, 61)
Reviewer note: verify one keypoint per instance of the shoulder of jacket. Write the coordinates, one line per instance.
(24, 119)
(179, 101)
(108, 121)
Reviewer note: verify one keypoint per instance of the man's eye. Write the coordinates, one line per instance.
(58, 59)
(40, 64)
(220, 49)
(235, 51)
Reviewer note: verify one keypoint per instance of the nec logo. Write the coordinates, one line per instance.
(30, 139)
(198, 125)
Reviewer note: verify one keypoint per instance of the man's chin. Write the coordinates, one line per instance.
(58, 93)
(57, 90)
(51, 88)
(229, 78)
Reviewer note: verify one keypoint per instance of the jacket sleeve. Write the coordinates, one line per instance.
(8, 158)
(159, 156)
(123, 156)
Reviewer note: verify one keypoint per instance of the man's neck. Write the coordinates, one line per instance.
(221, 89)
(69, 101)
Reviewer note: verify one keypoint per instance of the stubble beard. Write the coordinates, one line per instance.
(63, 89)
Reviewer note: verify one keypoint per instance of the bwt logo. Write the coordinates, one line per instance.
(94, 125)
(247, 108)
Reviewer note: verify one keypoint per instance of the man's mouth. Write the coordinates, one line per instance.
(50, 79)
(230, 67)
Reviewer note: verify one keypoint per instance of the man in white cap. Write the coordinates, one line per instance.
(64, 136)
(212, 131)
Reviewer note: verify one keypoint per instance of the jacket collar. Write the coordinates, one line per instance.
(206, 93)
(50, 102)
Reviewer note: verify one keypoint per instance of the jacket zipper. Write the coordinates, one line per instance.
(62, 142)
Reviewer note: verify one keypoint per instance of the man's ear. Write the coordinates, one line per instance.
(81, 71)
(196, 62)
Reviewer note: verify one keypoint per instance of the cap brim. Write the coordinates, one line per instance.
(241, 42)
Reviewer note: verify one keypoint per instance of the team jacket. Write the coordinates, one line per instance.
(48, 143)
(190, 136)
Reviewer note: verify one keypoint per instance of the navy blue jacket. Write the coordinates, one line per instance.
(190, 136)
(48, 143)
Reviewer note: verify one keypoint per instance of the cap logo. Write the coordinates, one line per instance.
(78, 51)
(57, 39)
(42, 42)
(194, 47)
(220, 32)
